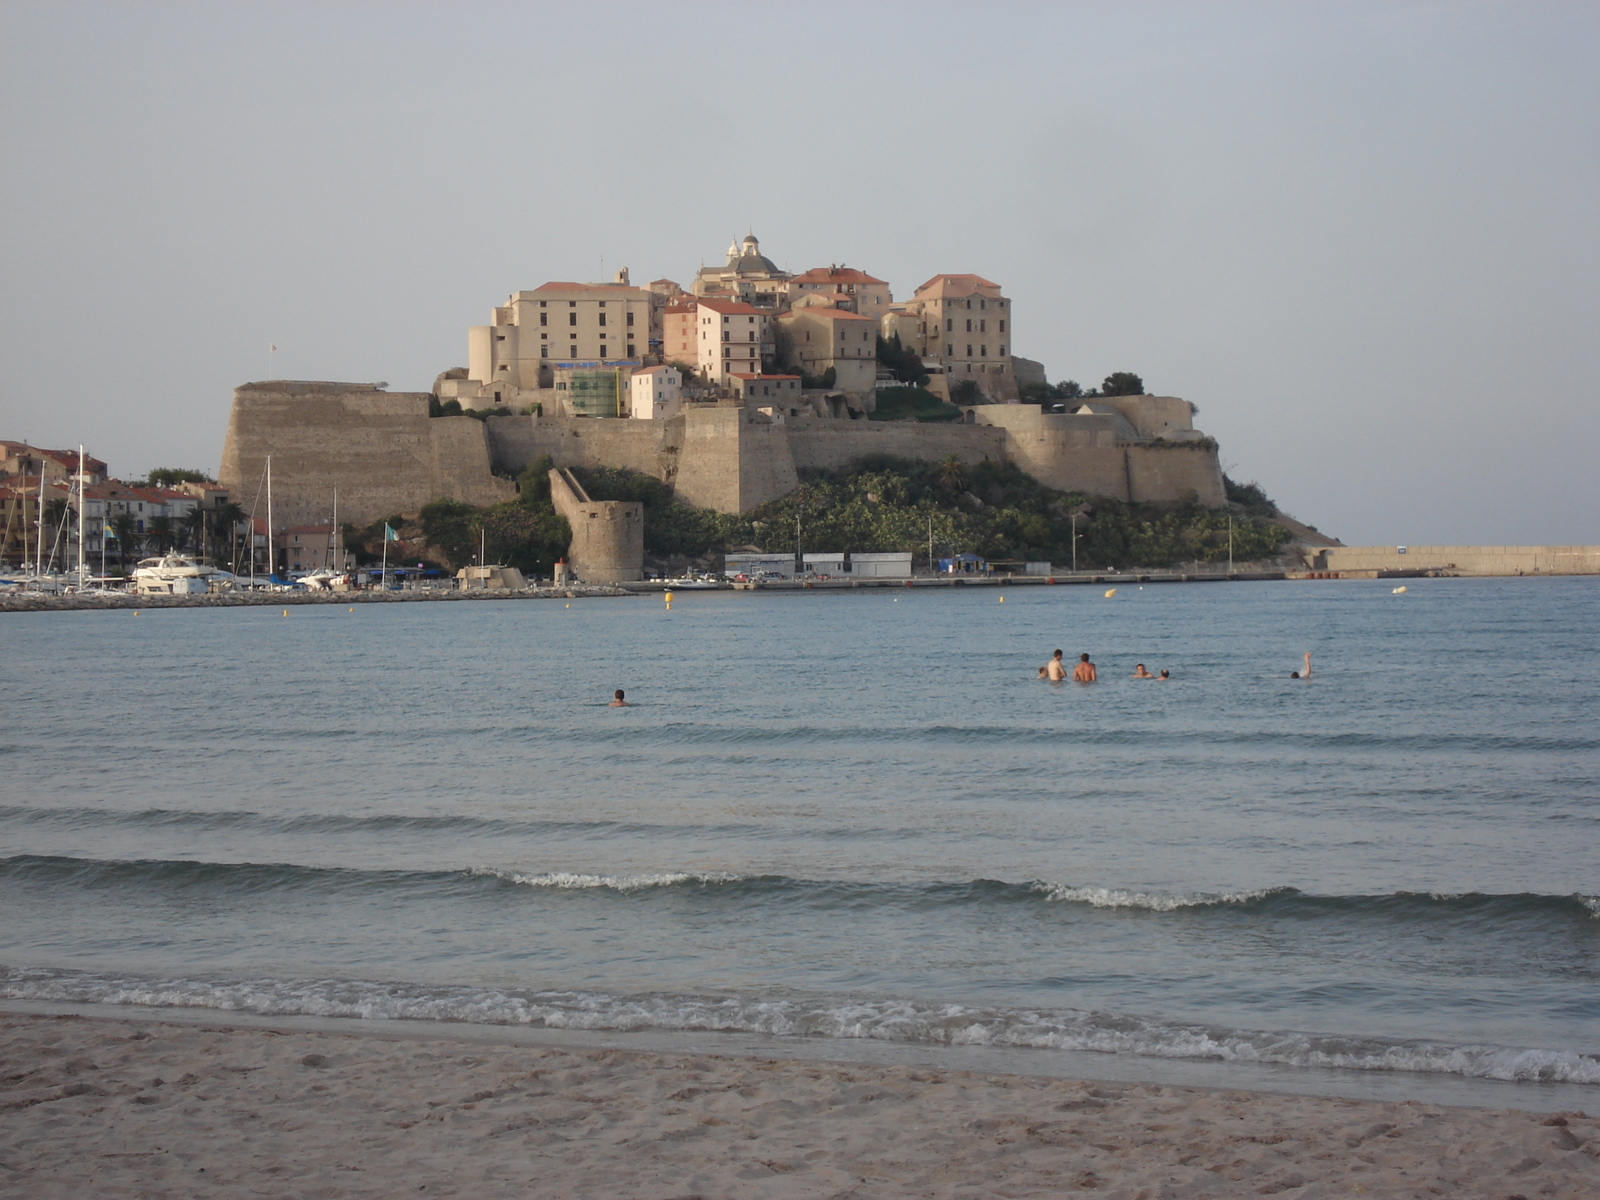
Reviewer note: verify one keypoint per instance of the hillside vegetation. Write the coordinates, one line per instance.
(879, 504)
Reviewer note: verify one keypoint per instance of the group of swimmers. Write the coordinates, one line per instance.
(1085, 672)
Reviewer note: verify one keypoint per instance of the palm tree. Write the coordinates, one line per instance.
(952, 473)
(160, 534)
(225, 522)
(193, 529)
(58, 512)
(126, 531)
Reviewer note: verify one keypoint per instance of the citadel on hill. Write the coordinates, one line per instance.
(724, 392)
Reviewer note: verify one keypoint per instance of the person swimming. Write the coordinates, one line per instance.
(617, 700)
(1304, 672)
(1166, 674)
(1140, 673)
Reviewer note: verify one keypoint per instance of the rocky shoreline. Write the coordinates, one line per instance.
(38, 602)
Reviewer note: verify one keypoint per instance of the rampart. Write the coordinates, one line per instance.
(380, 449)
(386, 455)
(1463, 560)
(607, 535)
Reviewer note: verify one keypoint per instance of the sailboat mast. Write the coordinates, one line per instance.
(80, 515)
(333, 532)
(272, 557)
(38, 552)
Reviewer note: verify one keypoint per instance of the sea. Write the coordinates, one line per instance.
(830, 822)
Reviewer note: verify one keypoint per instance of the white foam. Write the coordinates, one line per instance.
(617, 883)
(1101, 897)
(882, 1020)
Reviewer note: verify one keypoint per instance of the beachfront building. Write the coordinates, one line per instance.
(818, 337)
(843, 287)
(717, 338)
(556, 323)
(964, 323)
(748, 275)
(655, 393)
(311, 548)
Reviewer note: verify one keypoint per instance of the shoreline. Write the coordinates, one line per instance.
(44, 602)
(1456, 1091)
(123, 1105)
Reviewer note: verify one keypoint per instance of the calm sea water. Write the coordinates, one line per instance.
(848, 815)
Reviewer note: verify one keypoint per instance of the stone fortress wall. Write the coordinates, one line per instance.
(1463, 560)
(386, 455)
(380, 449)
(607, 543)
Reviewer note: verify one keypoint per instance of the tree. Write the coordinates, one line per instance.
(126, 530)
(1122, 383)
(904, 363)
(160, 534)
(171, 476)
(193, 530)
(453, 528)
(533, 485)
(225, 522)
(966, 391)
(952, 473)
(1068, 389)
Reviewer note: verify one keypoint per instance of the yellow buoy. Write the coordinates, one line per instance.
(352, 608)
(286, 612)
(1002, 599)
(668, 596)
(1398, 590)
(569, 606)
(1110, 592)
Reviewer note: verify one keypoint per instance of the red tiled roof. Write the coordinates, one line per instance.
(738, 307)
(960, 285)
(611, 288)
(827, 311)
(835, 275)
(742, 375)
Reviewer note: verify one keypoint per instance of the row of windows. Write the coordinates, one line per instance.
(572, 319)
(544, 352)
(574, 303)
(982, 304)
(983, 351)
(983, 325)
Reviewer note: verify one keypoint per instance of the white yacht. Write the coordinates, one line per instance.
(172, 575)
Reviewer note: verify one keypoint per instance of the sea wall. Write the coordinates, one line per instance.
(607, 543)
(379, 449)
(1463, 560)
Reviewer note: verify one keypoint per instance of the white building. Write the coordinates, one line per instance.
(655, 393)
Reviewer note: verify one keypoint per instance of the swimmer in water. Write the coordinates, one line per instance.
(1055, 669)
(1084, 672)
(1044, 673)
(1140, 673)
(1304, 672)
(617, 701)
(1166, 674)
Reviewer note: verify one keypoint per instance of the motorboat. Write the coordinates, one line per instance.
(172, 575)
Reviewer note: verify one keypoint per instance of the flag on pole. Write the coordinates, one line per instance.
(389, 535)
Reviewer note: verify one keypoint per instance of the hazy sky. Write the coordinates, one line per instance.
(1363, 238)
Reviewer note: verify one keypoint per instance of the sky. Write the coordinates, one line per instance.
(1364, 238)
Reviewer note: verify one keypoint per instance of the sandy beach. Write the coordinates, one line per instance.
(111, 1108)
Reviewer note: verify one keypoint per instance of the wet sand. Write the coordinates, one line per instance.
(124, 1107)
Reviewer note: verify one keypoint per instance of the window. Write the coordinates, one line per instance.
(1002, 350)
(949, 325)
(983, 304)
(950, 350)
(630, 351)
(541, 304)
(574, 352)
(983, 327)
(630, 318)
(499, 337)
(969, 324)
(572, 304)
(544, 318)
(602, 317)
(544, 351)
(544, 337)
(572, 318)
(983, 352)
(1002, 329)
(602, 304)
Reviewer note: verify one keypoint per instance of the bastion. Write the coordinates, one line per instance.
(385, 454)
